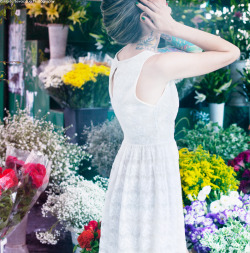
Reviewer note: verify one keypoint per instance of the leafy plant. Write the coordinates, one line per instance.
(227, 143)
(245, 83)
(215, 86)
(234, 237)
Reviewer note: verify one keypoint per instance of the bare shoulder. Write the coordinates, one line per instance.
(178, 65)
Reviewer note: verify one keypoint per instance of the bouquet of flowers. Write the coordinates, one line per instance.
(80, 202)
(89, 239)
(8, 187)
(205, 220)
(77, 85)
(28, 177)
(241, 165)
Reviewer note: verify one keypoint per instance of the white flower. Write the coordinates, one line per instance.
(204, 192)
(206, 189)
(234, 194)
(200, 97)
(215, 206)
(201, 196)
(225, 201)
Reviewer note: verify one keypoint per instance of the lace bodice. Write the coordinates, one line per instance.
(142, 123)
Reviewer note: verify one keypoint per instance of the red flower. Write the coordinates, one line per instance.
(85, 238)
(93, 225)
(11, 161)
(8, 179)
(37, 173)
(236, 168)
(99, 233)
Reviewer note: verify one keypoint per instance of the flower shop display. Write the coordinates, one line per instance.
(226, 142)
(26, 133)
(82, 90)
(215, 225)
(241, 165)
(198, 168)
(77, 85)
(58, 16)
(28, 177)
(89, 239)
(79, 202)
(214, 87)
(102, 143)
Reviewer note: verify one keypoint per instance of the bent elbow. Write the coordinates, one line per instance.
(236, 54)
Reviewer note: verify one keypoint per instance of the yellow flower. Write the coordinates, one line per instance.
(83, 73)
(52, 12)
(75, 16)
(198, 169)
(34, 8)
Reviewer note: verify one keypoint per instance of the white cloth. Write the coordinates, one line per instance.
(143, 210)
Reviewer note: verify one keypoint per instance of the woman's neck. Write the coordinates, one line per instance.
(149, 42)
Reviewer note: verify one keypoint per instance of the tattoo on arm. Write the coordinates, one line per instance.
(180, 44)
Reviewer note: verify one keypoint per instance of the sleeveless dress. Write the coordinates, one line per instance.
(143, 211)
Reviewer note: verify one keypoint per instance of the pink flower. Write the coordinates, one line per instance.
(238, 14)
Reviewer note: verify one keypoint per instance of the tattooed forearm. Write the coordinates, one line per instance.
(181, 44)
(150, 42)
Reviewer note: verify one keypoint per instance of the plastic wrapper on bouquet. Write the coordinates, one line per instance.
(24, 178)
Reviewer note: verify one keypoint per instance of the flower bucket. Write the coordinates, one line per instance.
(83, 117)
(217, 112)
(58, 35)
(74, 236)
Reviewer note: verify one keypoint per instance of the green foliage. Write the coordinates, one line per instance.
(234, 237)
(245, 83)
(6, 5)
(216, 85)
(227, 143)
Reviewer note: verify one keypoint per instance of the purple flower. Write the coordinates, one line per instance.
(244, 186)
(247, 218)
(246, 174)
(222, 218)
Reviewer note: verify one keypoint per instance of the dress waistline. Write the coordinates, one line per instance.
(166, 142)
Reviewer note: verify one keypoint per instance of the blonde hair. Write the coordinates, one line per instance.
(121, 20)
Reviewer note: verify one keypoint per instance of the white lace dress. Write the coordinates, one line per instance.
(143, 206)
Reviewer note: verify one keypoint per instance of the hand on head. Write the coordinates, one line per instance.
(156, 14)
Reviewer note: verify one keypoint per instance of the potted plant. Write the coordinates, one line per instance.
(234, 28)
(58, 16)
(214, 87)
(82, 90)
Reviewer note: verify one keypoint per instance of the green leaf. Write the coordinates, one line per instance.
(75, 248)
